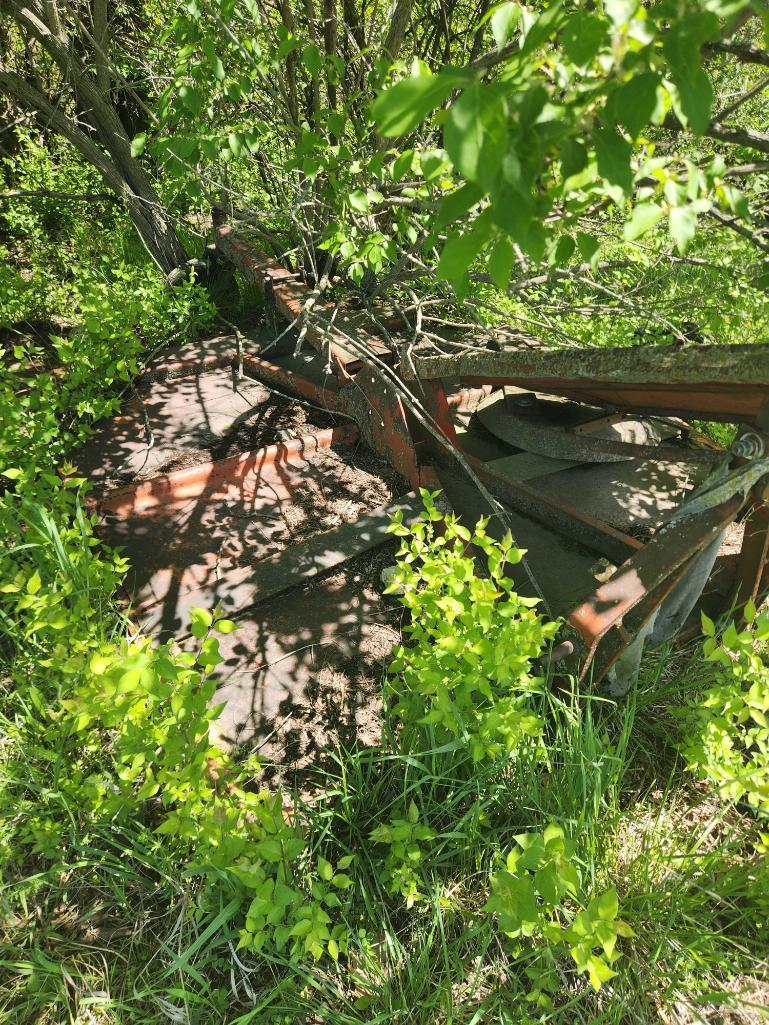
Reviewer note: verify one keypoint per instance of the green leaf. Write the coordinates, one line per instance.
(403, 165)
(681, 45)
(607, 905)
(588, 246)
(138, 143)
(584, 35)
(620, 11)
(236, 146)
(459, 252)
(456, 204)
(200, 621)
(325, 871)
(500, 262)
(358, 200)
(634, 103)
(312, 59)
(683, 225)
(400, 109)
(599, 972)
(503, 21)
(192, 98)
(574, 158)
(475, 132)
(644, 217)
(270, 850)
(564, 250)
(34, 583)
(613, 153)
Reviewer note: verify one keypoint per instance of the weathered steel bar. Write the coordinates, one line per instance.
(242, 588)
(292, 382)
(752, 579)
(729, 382)
(567, 520)
(193, 481)
(605, 651)
(291, 297)
(437, 405)
(562, 443)
(649, 568)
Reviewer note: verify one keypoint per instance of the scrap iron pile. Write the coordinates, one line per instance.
(570, 425)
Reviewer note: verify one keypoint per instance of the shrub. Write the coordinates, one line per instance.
(727, 730)
(540, 903)
(468, 670)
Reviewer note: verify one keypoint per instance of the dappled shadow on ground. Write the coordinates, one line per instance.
(303, 671)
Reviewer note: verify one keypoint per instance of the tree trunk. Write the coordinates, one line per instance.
(147, 213)
(121, 171)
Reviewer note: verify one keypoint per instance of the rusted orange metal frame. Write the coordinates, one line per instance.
(647, 572)
(194, 481)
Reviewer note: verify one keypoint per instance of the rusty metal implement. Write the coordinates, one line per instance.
(593, 491)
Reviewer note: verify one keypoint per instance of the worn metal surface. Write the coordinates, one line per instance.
(378, 411)
(633, 495)
(295, 376)
(648, 570)
(752, 582)
(607, 444)
(242, 587)
(242, 471)
(729, 382)
(711, 382)
(291, 296)
(567, 520)
(563, 567)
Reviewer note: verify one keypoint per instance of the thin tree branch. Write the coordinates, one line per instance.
(744, 52)
(49, 194)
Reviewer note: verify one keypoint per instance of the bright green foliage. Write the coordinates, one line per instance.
(284, 914)
(467, 671)
(571, 120)
(539, 901)
(400, 871)
(727, 732)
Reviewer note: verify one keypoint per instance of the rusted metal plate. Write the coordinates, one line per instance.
(242, 471)
(649, 568)
(604, 653)
(243, 587)
(752, 582)
(301, 677)
(563, 569)
(325, 327)
(201, 412)
(632, 495)
(295, 375)
(378, 411)
(611, 443)
(567, 520)
(528, 466)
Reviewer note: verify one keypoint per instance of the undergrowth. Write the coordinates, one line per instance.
(509, 853)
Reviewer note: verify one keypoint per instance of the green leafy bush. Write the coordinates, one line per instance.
(468, 670)
(114, 731)
(404, 838)
(727, 731)
(540, 903)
